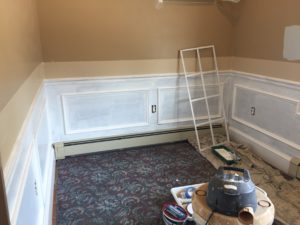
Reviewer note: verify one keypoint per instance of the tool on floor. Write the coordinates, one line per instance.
(231, 198)
(226, 154)
(194, 100)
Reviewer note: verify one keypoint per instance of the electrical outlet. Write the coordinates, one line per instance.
(153, 108)
(252, 111)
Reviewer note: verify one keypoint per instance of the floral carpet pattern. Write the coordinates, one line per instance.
(126, 187)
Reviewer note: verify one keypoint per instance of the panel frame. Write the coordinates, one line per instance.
(68, 130)
(258, 128)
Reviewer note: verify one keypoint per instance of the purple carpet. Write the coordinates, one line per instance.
(125, 186)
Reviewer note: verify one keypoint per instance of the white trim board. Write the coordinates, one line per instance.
(92, 79)
(15, 154)
(259, 77)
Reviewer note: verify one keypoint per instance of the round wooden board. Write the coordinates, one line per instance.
(263, 215)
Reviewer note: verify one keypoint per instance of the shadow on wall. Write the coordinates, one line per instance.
(230, 10)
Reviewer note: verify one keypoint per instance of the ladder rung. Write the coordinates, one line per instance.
(204, 73)
(193, 74)
(212, 121)
(203, 98)
(194, 49)
(210, 71)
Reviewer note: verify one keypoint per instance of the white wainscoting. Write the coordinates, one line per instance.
(273, 131)
(275, 123)
(275, 114)
(112, 106)
(29, 174)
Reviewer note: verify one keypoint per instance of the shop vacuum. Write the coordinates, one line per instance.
(232, 198)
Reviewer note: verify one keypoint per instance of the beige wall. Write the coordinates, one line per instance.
(20, 49)
(20, 54)
(272, 68)
(13, 115)
(259, 36)
(97, 30)
(124, 67)
(259, 31)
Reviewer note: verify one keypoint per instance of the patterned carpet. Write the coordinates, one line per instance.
(125, 186)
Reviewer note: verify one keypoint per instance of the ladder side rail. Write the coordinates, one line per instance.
(189, 96)
(205, 96)
(221, 94)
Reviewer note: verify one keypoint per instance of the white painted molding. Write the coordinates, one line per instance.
(283, 97)
(283, 160)
(16, 154)
(236, 73)
(260, 129)
(92, 79)
(259, 77)
(68, 130)
(16, 204)
(188, 119)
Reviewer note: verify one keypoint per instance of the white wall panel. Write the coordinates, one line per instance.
(32, 205)
(174, 107)
(275, 114)
(275, 127)
(94, 111)
(30, 168)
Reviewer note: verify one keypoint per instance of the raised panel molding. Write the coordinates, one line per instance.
(261, 129)
(185, 118)
(141, 95)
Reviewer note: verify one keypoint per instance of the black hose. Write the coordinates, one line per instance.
(210, 216)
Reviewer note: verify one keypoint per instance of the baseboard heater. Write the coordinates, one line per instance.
(78, 147)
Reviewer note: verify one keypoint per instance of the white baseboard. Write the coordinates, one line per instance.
(268, 153)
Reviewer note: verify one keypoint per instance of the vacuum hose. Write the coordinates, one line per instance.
(246, 215)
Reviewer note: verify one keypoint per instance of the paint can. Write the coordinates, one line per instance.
(174, 214)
